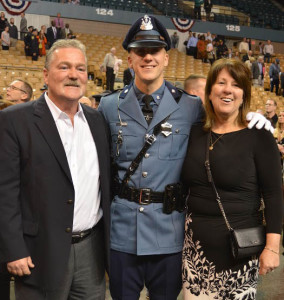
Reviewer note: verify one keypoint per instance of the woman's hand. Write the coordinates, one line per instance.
(268, 261)
(269, 258)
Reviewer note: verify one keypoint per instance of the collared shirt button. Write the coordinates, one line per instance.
(141, 209)
(146, 155)
(68, 229)
(144, 174)
(70, 201)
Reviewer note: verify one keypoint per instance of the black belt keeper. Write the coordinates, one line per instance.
(173, 198)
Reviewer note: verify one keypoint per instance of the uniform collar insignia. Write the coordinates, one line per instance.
(146, 23)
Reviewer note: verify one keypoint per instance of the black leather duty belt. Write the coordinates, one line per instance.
(141, 196)
(78, 237)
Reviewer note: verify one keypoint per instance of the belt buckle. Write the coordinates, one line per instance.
(146, 192)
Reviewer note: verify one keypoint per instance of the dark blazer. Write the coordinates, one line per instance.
(50, 36)
(35, 186)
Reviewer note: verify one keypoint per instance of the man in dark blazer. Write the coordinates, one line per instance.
(52, 34)
(54, 186)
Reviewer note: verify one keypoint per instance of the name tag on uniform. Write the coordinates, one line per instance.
(121, 124)
(166, 129)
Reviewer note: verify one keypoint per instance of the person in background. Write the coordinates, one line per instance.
(52, 34)
(279, 134)
(258, 71)
(5, 38)
(34, 45)
(222, 50)
(3, 22)
(28, 40)
(108, 67)
(85, 100)
(282, 83)
(42, 41)
(197, 9)
(201, 48)
(128, 75)
(274, 75)
(237, 56)
(244, 46)
(209, 269)
(59, 24)
(270, 111)
(210, 52)
(174, 40)
(268, 51)
(19, 91)
(258, 50)
(23, 26)
(65, 31)
(195, 84)
(191, 45)
(208, 7)
(249, 43)
(97, 98)
(13, 32)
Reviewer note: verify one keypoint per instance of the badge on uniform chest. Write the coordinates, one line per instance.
(166, 129)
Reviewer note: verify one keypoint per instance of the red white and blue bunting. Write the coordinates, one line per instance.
(15, 7)
(182, 25)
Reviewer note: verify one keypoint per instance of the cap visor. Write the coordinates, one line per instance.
(147, 44)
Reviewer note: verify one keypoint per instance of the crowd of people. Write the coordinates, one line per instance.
(62, 221)
(36, 41)
(209, 47)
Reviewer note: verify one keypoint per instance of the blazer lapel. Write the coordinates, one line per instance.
(45, 122)
(130, 106)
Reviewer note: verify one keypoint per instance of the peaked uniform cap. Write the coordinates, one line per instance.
(147, 32)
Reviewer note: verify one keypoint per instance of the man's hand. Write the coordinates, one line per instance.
(259, 121)
(21, 266)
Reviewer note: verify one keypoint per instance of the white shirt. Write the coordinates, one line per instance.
(244, 46)
(82, 157)
(268, 49)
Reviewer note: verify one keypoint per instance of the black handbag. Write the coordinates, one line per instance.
(247, 241)
(244, 242)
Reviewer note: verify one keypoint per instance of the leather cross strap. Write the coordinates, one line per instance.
(149, 141)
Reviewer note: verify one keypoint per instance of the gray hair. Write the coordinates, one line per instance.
(61, 44)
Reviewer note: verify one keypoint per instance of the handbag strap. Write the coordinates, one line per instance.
(210, 179)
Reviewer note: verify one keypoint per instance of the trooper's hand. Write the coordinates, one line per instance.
(259, 121)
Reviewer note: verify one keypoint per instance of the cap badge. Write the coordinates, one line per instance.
(146, 23)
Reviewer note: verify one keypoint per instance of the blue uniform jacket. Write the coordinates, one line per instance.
(145, 229)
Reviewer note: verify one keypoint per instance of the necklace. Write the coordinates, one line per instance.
(211, 147)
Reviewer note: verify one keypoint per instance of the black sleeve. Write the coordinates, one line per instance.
(266, 156)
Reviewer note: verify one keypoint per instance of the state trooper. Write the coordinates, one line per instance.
(27, 41)
(150, 122)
